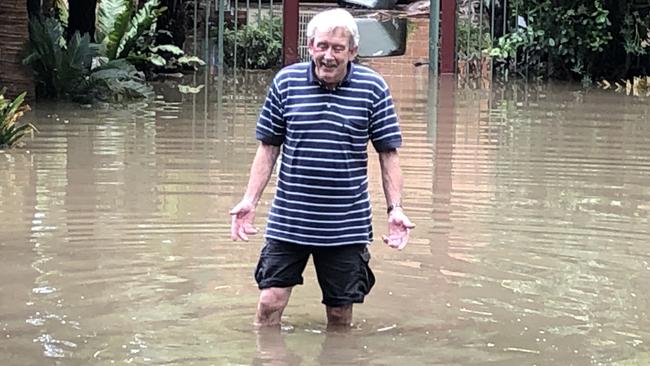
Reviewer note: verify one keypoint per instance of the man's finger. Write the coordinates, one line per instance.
(235, 210)
(390, 241)
(242, 234)
(409, 224)
(404, 241)
(248, 229)
(234, 229)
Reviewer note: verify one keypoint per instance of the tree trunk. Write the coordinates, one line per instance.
(13, 36)
(81, 17)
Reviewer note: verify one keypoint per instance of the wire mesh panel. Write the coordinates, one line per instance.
(306, 13)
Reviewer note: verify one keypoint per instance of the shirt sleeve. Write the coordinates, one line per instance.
(271, 125)
(384, 129)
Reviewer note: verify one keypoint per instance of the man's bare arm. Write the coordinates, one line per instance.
(399, 225)
(243, 214)
(261, 170)
(391, 176)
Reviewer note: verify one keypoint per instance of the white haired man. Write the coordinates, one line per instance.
(320, 115)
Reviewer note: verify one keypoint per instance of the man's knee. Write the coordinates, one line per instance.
(274, 299)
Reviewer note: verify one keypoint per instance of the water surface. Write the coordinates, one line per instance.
(531, 204)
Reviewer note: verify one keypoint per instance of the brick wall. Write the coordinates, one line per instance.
(13, 35)
(417, 50)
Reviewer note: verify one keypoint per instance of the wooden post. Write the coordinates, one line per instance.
(291, 12)
(448, 39)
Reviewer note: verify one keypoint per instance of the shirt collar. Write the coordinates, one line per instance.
(311, 75)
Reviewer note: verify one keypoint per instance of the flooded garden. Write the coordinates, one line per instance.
(526, 172)
(531, 203)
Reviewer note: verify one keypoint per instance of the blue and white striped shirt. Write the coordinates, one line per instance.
(322, 189)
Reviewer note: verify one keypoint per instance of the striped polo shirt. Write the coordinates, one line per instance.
(322, 190)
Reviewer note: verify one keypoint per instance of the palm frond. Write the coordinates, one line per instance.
(107, 13)
(115, 39)
(45, 53)
(62, 11)
(10, 112)
(142, 21)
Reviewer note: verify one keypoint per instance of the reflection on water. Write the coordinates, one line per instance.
(532, 212)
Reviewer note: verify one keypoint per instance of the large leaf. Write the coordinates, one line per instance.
(10, 112)
(157, 60)
(115, 38)
(107, 13)
(75, 63)
(174, 50)
(63, 13)
(78, 52)
(141, 22)
(188, 60)
(45, 53)
(116, 81)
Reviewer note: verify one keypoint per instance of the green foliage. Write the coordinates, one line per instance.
(121, 26)
(259, 46)
(116, 81)
(142, 22)
(581, 39)
(64, 70)
(62, 12)
(106, 15)
(58, 67)
(114, 40)
(10, 112)
(636, 33)
(127, 32)
(563, 40)
(467, 38)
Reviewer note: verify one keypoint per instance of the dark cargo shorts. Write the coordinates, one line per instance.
(343, 272)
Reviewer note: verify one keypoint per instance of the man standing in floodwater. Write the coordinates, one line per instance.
(320, 116)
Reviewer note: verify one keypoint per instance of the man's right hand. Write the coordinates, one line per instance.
(243, 215)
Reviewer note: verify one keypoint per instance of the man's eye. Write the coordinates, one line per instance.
(339, 48)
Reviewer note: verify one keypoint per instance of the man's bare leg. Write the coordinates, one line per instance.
(271, 305)
(339, 317)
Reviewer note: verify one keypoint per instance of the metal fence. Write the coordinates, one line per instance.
(479, 25)
(210, 19)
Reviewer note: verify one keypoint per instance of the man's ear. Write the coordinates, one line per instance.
(354, 51)
(310, 46)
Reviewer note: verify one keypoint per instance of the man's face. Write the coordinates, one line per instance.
(331, 53)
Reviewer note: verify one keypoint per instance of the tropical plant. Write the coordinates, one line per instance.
(10, 112)
(69, 70)
(124, 31)
(258, 45)
(58, 66)
(116, 81)
(62, 12)
(581, 39)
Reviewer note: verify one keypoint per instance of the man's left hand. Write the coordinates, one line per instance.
(399, 227)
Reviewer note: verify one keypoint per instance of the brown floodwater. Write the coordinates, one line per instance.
(531, 201)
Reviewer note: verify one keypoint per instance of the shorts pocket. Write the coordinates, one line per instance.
(367, 280)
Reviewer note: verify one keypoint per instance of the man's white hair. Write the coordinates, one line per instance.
(328, 20)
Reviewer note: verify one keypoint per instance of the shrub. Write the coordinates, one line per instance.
(10, 112)
(259, 46)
